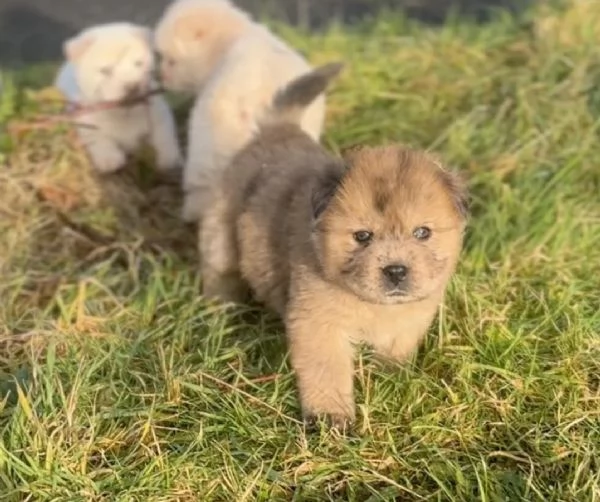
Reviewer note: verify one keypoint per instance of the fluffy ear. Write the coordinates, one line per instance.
(73, 48)
(144, 33)
(457, 187)
(190, 27)
(323, 191)
(349, 152)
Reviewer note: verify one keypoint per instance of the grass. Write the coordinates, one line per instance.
(117, 382)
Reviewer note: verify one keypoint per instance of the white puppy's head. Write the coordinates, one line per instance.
(112, 61)
(192, 36)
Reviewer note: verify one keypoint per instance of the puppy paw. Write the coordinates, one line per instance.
(230, 291)
(192, 207)
(168, 161)
(330, 412)
(107, 160)
(340, 422)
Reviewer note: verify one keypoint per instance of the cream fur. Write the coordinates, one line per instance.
(113, 62)
(235, 66)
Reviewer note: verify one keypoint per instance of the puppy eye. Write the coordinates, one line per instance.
(363, 236)
(422, 233)
(106, 71)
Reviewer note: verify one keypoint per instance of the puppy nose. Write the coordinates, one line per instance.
(395, 273)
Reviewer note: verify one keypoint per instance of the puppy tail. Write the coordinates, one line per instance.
(291, 102)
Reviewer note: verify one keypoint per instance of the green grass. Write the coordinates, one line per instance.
(118, 383)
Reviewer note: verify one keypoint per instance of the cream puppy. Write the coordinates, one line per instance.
(235, 66)
(115, 62)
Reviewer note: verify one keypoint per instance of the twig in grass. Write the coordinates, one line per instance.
(233, 388)
(262, 379)
(45, 122)
(86, 231)
(258, 380)
(98, 241)
(252, 381)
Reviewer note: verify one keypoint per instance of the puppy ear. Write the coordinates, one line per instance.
(144, 33)
(457, 187)
(323, 191)
(74, 47)
(191, 27)
(349, 153)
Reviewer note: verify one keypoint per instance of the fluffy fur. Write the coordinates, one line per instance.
(212, 49)
(347, 250)
(115, 62)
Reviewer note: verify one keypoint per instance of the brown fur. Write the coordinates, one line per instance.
(285, 223)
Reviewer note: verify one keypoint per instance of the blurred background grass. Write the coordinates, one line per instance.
(32, 31)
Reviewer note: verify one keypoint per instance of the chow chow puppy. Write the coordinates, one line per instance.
(349, 250)
(114, 62)
(215, 51)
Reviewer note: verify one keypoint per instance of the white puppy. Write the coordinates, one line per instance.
(212, 49)
(115, 62)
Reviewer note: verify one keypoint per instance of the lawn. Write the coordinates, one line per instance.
(119, 383)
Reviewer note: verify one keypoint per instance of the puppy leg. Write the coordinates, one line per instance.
(199, 163)
(197, 176)
(195, 201)
(104, 153)
(201, 177)
(322, 357)
(163, 135)
(219, 127)
(221, 278)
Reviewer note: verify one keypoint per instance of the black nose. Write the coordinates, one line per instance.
(395, 273)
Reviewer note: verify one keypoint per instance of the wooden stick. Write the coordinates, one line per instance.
(50, 120)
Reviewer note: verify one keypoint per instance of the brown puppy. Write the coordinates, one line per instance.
(346, 251)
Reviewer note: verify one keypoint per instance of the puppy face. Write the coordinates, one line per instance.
(390, 230)
(112, 62)
(190, 39)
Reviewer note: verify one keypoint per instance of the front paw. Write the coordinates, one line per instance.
(340, 422)
(333, 412)
(169, 161)
(107, 160)
(192, 207)
(227, 289)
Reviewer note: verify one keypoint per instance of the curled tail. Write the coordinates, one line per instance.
(290, 103)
